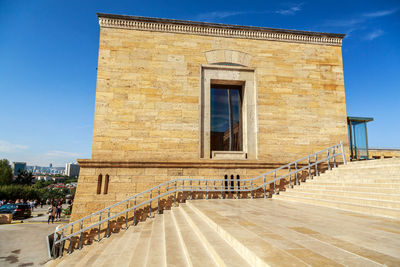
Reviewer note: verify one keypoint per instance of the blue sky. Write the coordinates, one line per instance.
(48, 56)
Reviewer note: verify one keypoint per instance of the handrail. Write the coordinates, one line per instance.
(178, 185)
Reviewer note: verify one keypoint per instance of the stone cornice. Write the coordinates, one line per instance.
(220, 30)
(217, 164)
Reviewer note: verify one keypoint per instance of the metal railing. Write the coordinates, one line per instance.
(101, 220)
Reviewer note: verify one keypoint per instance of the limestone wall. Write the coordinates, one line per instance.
(149, 108)
(380, 153)
(149, 84)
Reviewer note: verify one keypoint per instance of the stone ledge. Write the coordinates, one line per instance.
(208, 163)
(216, 29)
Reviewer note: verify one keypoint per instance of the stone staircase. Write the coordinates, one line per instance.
(270, 232)
(370, 187)
(247, 232)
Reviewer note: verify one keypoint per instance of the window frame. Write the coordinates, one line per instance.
(229, 75)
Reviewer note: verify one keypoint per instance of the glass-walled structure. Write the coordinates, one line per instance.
(358, 137)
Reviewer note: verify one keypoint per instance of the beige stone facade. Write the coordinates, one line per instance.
(152, 120)
(382, 153)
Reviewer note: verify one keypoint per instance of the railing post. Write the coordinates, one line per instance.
(158, 204)
(343, 154)
(151, 196)
(175, 195)
(80, 237)
(61, 248)
(334, 158)
(275, 182)
(329, 161)
(206, 189)
(265, 187)
(191, 190)
(134, 212)
(237, 187)
(251, 189)
(53, 249)
(126, 215)
(108, 224)
(222, 189)
(98, 237)
(297, 178)
(316, 165)
(70, 241)
(290, 178)
(309, 168)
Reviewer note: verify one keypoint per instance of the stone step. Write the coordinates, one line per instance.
(140, 253)
(223, 252)
(283, 224)
(350, 188)
(126, 249)
(175, 253)
(110, 255)
(195, 251)
(370, 210)
(348, 184)
(248, 244)
(364, 175)
(360, 175)
(370, 165)
(95, 250)
(333, 179)
(347, 199)
(374, 162)
(371, 195)
(156, 253)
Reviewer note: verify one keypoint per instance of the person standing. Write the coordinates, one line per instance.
(58, 211)
(52, 213)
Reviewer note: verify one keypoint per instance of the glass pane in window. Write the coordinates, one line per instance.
(360, 140)
(226, 132)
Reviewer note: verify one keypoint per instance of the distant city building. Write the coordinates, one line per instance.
(51, 165)
(45, 170)
(43, 178)
(72, 169)
(18, 166)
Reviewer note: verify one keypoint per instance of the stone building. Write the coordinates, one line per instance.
(189, 99)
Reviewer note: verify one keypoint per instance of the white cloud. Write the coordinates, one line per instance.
(58, 153)
(380, 13)
(293, 9)
(374, 34)
(344, 22)
(216, 15)
(7, 147)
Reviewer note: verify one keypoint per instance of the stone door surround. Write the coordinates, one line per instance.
(229, 75)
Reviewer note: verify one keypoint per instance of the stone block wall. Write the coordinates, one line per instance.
(148, 112)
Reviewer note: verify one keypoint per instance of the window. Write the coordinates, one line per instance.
(99, 181)
(226, 118)
(107, 180)
(228, 124)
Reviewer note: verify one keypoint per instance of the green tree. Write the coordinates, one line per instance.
(24, 177)
(6, 174)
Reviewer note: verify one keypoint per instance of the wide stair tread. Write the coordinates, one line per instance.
(367, 209)
(370, 195)
(196, 252)
(90, 258)
(156, 254)
(349, 199)
(352, 188)
(250, 246)
(352, 184)
(139, 255)
(175, 254)
(224, 254)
